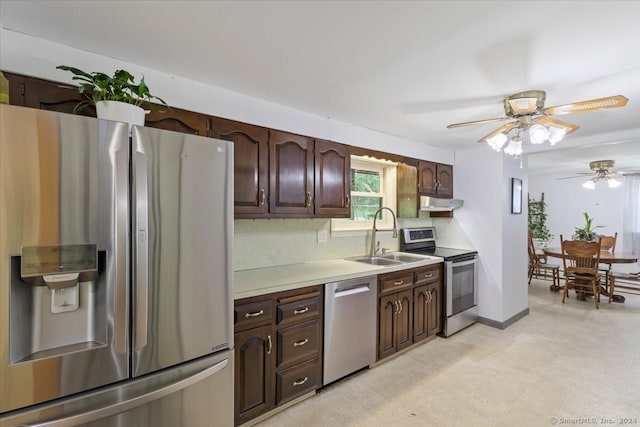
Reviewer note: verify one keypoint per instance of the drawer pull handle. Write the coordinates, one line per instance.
(301, 342)
(269, 344)
(300, 381)
(256, 314)
(428, 276)
(300, 311)
(398, 282)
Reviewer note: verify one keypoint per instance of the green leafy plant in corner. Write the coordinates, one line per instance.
(538, 220)
(587, 232)
(96, 86)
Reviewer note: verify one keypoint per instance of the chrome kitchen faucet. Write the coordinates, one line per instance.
(375, 246)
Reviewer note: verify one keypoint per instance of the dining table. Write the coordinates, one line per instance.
(606, 257)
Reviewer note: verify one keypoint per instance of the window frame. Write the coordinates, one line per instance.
(387, 171)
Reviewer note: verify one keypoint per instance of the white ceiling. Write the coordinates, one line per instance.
(403, 68)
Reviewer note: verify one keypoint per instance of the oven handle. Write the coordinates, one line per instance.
(462, 263)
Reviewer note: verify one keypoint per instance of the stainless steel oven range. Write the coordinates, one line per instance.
(460, 277)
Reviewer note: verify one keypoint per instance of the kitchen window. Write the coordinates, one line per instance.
(373, 185)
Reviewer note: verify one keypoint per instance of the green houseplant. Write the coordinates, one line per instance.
(586, 232)
(121, 87)
(538, 220)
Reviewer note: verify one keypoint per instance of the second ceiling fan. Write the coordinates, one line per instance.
(527, 112)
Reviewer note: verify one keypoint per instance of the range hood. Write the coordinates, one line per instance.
(432, 204)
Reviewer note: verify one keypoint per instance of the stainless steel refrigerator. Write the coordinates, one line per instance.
(116, 274)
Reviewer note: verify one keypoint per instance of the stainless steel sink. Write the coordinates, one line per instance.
(402, 257)
(377, 260)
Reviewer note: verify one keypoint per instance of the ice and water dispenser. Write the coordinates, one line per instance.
(57, 301)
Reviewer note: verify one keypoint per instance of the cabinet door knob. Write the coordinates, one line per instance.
(300, 311)
(254, 314)
(300, 381)
(301, 342)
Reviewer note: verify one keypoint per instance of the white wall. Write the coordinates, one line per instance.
(498, 235)
(567, 200)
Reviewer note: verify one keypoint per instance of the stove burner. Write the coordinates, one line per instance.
(423, 241)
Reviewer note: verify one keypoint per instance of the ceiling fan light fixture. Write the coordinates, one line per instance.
(590, 185)
(613, 183)
(538, 134)
(556, 134)
(515, 146)
(497, 141)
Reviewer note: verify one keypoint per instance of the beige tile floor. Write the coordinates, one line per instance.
(561, 365)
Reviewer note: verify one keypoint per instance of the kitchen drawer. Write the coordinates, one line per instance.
(298, 311)
(253, 313)
(298, 343)
(427, 275)
(296, 381)
(392, 283)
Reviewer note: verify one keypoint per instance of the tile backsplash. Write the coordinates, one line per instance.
(270, 242)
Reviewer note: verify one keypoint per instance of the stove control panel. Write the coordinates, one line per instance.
(422, 234)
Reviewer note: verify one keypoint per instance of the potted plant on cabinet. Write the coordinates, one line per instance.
(586, 232)
(538, 221)
(115, 97)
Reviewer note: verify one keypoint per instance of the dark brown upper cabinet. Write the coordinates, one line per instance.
(177, 120)
(407, 191)
(291, 168)
(251, 163)
(46, 95)
(332, 180)
(435, 179)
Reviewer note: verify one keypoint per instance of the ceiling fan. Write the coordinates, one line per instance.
(602, 171)
(527, 112)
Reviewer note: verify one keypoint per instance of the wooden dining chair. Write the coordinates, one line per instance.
(609, 245)
(580, 260)
(539, 267)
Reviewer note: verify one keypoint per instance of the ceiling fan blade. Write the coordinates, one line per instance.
(628, 172)
(476, 122)
(585, 106)
(502, 129)
(548, 121)
(578, 175)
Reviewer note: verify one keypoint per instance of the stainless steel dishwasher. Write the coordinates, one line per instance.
(349, 327)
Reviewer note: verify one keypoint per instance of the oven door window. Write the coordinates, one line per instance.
(462, 288)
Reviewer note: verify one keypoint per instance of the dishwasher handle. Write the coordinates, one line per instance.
(352, 290)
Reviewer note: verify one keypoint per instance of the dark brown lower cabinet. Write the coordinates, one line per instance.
(278, 350)
(427, 311)
(395, 326)
(434, 309)
(297, 381)
(410, 308)
(254, 364)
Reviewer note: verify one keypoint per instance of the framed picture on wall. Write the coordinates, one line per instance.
(516, 196)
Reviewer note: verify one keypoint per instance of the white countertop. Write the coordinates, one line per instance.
(262, 281)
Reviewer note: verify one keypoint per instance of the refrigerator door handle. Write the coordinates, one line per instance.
(117, 408)
(120, 286)
(141, 250)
